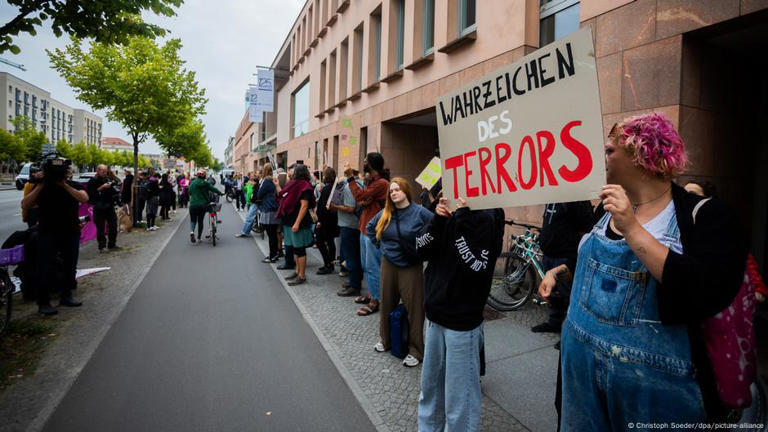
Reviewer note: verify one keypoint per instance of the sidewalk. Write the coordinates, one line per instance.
(27, 404)
(518, 388)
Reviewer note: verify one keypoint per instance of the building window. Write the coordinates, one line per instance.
(343, 65)
(323, 67)
(467, 16)
(357, 60)
(300, 115)
(374, 49)
(559, 18)
(428, 29)
(400, 34)
(332, 79)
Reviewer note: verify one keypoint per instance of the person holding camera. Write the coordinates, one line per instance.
(101, 193)
(59, 231)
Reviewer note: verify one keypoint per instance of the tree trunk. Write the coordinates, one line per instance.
(135, 187)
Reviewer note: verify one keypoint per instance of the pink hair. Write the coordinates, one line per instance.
(655, 144)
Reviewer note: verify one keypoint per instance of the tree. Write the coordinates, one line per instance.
(188, 141)
(12, 150)
(80, 155)
(217, 165)
(64, 149)
(111, 21)
(32, 138)
(141, 85)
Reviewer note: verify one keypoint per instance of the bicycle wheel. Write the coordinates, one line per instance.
(6, 293)
(213, 230)
(515, 288)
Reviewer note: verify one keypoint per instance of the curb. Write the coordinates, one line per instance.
(53, 402)
(330, 349)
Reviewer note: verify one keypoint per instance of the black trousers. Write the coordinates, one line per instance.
(52, 245)
(272, 236)
(108, 216)
(327, 247)
(140, 203)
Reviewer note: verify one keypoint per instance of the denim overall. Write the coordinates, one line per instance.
(620, 365)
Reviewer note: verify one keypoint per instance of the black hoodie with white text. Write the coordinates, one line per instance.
(461, 252)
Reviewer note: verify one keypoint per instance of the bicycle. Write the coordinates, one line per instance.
(8, 257)
(522, 271)
(213, 219)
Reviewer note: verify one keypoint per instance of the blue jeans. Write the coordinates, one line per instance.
(450, 398)
(620, 364)
(350, 251)
(250, 219)
(370, 257)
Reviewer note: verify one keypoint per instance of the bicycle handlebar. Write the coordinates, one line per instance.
(526, 226)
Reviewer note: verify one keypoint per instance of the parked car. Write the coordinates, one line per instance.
(23, 176)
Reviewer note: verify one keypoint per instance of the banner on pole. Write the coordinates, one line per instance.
(528, 133)
(431, 174)
(255, 115)
(265, 87)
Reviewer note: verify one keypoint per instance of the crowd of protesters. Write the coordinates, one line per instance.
(629, 283)
(51, 211)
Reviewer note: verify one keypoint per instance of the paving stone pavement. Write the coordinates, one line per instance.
(391, 388)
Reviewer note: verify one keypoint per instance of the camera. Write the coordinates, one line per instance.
(84, 219)
(55, 167)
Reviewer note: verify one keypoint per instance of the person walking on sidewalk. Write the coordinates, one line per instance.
(395, 229)
(266, 199)
(253, 209)
(200, 196)
(461, 248)
(101, 193)
(296, 201)
(563, 224)
(327, 227)
(372, 200)
(350, 236)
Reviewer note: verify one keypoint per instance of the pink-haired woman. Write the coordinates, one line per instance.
(647, 275)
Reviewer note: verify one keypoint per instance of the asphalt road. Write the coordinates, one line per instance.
(10, 213)
(210, 341)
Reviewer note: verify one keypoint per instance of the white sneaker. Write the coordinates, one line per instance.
(153, 228)
(379, 347)
(410, 361)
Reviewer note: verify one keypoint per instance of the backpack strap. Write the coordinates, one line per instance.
(698, 206)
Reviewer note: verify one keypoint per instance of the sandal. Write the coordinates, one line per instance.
(363, 299)
(369, 309)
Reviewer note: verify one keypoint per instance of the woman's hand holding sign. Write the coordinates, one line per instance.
(444, 210)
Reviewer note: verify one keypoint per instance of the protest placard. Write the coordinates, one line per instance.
(528, 133)
(431, 174)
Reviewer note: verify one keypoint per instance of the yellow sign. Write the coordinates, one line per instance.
(431, 174)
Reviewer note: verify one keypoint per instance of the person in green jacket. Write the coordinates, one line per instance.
(249, 189)
(199, 198)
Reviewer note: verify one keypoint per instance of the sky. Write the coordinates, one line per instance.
(223, 42)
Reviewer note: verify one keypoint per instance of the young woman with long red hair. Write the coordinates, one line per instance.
(395, 228)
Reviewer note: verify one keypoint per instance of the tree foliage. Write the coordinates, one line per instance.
(11, 148)
(80, 155)
(107, 21)
(31, 138)
(141, 85)
(64, 149)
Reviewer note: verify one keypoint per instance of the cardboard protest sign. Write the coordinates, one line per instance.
(431, 174)
(528, 133)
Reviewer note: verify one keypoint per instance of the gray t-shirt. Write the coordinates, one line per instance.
(349, 220)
